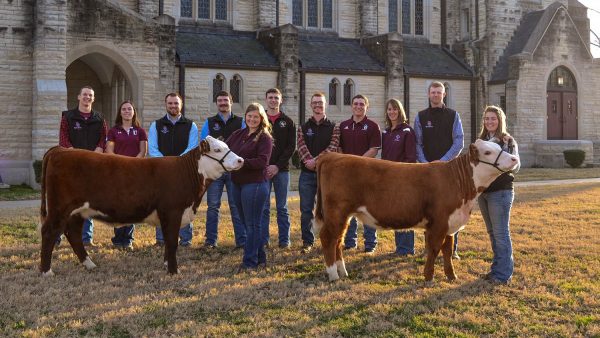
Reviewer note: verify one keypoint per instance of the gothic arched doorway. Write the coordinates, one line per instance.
(111, 86)
(561, 102)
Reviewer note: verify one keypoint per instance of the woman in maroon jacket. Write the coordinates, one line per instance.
(399, 144)
(250, 192)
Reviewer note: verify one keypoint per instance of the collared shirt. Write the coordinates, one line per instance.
(357, 138)
(127, 142)
(399, 144)
(153, 139)
(457, 140)
(63, 136)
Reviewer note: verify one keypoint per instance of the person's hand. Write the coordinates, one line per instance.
(311, 164)
(99, 150)
(272, 170)
(508, 139)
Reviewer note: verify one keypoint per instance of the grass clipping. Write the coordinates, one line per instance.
(556, 239)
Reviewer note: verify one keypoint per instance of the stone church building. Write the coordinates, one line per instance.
(531, 57)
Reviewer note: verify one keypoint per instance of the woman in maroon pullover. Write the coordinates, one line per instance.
(250, 192)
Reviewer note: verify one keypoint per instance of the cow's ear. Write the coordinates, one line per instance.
(204, 146)
(474, 154)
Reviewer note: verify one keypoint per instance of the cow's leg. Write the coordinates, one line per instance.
(339, 260)
(170, 231)
(73, 234)
(447, 249)
(435, 238)
(328, 242)
(50, 231)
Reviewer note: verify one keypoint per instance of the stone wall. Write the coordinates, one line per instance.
(198, 90)
(348, 21)
(246, 15)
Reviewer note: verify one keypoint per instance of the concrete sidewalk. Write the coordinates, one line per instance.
(36, 203)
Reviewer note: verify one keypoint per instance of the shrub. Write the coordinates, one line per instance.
(574, 157)
(37, 169)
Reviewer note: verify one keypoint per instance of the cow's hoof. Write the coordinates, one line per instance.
(173, 272)
(88, 263)
(451, 278)
(341, 268)
(48, 273)
(332, 273)
(428, 283)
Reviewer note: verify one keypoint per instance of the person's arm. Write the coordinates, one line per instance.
(143, 149)
(153, 141)
(372, 152)
(374, 141)
(110, 147)
(458, 140)
(204, 132)
(419, 139)
(303, 151)
(63, 136)
(410, 147)
(193, 139)
(102, 142)
(515, 150)
(284, 159)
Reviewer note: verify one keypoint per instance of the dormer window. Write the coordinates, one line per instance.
(209, 10)
(407, 17)
(313, 14)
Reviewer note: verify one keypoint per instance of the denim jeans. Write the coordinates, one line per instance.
(186, 233)
(405, 242)
(280, 183)
(369, 233)
(88, 232)
(250, 199)
(307, 189)
(495, 209)
(213, 200)
(123, 235)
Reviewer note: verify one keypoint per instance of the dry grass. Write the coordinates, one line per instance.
(556, 233)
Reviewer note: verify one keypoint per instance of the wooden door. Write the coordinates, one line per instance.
(569, 115)
(554, 119)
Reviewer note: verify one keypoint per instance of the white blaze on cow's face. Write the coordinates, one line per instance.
(488, 152)
(219, 160)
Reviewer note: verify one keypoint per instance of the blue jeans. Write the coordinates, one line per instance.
(405, 242)
(307, 189)
(123, 235)
(280, 183)
(495, 209)
(369, 233)
(88, 232)
(213, 200)
(250, 199)
(185, 235)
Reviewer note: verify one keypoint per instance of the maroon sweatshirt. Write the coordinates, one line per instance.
(256, 155)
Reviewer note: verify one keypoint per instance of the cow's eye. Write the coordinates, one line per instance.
(217, 150)
(488, 152)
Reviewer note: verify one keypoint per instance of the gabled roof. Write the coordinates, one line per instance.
(333, 54)
(528, 37)
(432, 60)
(229, 50)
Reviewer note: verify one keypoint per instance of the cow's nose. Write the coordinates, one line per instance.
(240, 160)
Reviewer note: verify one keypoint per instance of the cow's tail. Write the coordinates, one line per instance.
(318, 221)
(43, 210)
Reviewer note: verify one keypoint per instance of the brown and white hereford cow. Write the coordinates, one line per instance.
(437, 196)
(166, 191)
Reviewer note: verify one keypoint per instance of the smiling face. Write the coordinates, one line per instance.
(253, 120)
(393, 113)
(273, 103)
(490, 121)
(436, 96)
(359, 108)
(127, 112)
(173, 105)
(224, 104)
(85, 98)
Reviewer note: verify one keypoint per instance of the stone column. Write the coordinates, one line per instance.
(265, 13)
(283, 43)
(49, 65)
(389, 50)
(148, 8)
(367, 12)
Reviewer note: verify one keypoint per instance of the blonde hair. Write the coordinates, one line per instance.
(501, 131)
(264, 127)
(401, 113)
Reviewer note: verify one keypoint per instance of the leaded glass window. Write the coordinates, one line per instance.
(313, 13)
(333, 88)
(235, 86)
(297, 13)
(218, 83)
(418, 17)
(221, 9)
(186, 8)
(204, 9)
(348, 92)
(406, 16)
(393, 15)
(327, 13)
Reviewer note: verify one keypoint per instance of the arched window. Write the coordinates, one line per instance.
(561, 78)
(235, 88)
(333, 92)
(348, 92)
(313, 13)
(218, 85)
(407, 16)
(186, 9)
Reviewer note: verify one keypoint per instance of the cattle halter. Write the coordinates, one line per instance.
(496, 164)
(221, 160)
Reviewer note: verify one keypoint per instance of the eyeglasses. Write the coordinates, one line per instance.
(317, 103)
